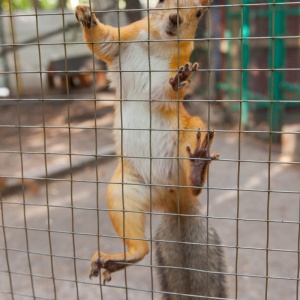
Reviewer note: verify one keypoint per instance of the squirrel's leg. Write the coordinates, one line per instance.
(98, 35)
(199, 160)
(182, 77)
(123, 200)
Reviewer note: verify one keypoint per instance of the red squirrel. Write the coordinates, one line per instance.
(161, 146)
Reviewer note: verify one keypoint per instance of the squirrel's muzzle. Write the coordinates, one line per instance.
(173, 24)
(175, 20)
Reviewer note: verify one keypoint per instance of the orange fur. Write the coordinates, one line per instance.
(129, 195)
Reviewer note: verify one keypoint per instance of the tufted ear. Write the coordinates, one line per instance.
(205, 3)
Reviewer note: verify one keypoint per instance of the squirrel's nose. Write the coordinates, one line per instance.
(174, 18)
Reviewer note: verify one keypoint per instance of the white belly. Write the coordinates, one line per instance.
(144, 150)
(151, 153)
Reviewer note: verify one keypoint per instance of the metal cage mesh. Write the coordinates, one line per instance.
(57, 154)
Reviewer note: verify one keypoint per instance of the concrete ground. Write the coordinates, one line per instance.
(61, 217)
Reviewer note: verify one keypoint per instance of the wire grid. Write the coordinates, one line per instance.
(48, 234)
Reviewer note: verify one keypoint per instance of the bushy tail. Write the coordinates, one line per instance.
(187, 265)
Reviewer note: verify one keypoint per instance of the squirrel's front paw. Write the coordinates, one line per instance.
(183, 76)
(85, 16)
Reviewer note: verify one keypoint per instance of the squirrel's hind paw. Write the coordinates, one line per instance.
(110, 262)
(96, 264)
(200, 159)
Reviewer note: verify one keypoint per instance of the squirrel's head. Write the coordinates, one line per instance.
(177, 18)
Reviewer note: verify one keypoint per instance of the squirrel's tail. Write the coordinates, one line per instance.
(190, 259)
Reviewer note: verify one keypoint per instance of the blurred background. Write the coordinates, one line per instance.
(57, 153)
(252, 53)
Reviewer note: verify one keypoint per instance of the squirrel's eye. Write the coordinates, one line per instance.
(199, 13)
(161, 1)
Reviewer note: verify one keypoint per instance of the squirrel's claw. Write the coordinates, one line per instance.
(95, 268)
(215, 156)
(85, 16)
(106, 277)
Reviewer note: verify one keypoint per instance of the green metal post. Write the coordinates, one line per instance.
(228, 54)
(3, 62)
(245, 32)
(276, 61)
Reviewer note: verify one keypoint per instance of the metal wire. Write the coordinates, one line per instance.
(162, 9)
(21, 159)
(150, 152)
(21, 200)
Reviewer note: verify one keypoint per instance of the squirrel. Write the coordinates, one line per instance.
(163, 151)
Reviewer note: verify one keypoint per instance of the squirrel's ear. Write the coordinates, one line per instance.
(205, 3)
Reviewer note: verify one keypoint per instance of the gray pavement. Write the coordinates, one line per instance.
(67, 206)
(66, 141)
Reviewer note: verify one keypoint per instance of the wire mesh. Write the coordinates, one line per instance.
(57, 153)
